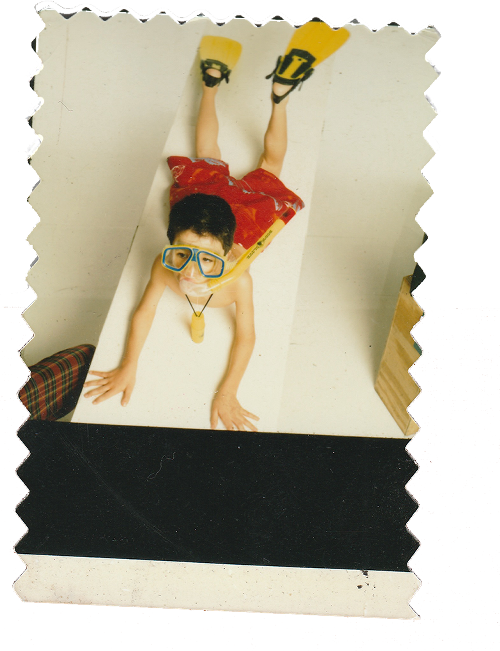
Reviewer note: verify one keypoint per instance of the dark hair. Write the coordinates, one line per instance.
(205, 214)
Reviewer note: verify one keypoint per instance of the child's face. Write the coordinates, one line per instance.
(191, 273)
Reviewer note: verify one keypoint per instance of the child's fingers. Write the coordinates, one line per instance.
(250, 415)
(94, 392)
(102, 382)
(228, 424)
(126, 396)
(96, 383)
(243, 425)
(100, 373)
(236, 422)
(214, 419)
(105, 396)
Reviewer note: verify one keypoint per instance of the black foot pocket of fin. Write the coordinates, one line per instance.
(211, 64)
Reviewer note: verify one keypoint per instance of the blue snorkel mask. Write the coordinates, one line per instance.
(176, 258)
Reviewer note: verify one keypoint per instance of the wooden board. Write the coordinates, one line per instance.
(394, 384)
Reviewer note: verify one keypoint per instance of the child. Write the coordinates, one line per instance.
(213, 218)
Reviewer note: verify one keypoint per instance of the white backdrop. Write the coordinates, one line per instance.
(324, 294)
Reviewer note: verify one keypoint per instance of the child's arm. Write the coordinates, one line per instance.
(122, 379)
(225, 405)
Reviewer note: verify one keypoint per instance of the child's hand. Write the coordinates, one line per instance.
(122, 379)
(233, 416)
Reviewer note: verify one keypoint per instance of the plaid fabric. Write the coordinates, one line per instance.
(56, 383)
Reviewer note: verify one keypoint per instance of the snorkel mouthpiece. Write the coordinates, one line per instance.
(194, 289)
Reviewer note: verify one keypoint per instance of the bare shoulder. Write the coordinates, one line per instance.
(244, 307)
(159, 275)
(243, 292)
(244, 288)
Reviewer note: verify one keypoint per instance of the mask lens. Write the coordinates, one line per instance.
(176, 258)
(211, 265)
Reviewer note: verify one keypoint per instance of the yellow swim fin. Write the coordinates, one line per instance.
(310, 45)
(218, 53)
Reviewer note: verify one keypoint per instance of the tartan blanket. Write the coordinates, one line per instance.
(56, 383)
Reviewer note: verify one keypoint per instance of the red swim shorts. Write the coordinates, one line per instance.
(257, 200)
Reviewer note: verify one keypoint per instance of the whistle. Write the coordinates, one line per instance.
(197, 327)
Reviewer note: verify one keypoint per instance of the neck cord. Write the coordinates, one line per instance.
(203, 306)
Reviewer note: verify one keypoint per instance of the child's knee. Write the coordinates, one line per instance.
(207, 152)
(273, 166)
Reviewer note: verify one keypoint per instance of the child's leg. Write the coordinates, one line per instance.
(207, 126)
(275, 139)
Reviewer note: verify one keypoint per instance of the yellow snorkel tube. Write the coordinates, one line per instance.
(247, 258)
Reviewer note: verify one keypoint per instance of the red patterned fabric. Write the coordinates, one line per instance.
(257, 200)
(56, 382)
